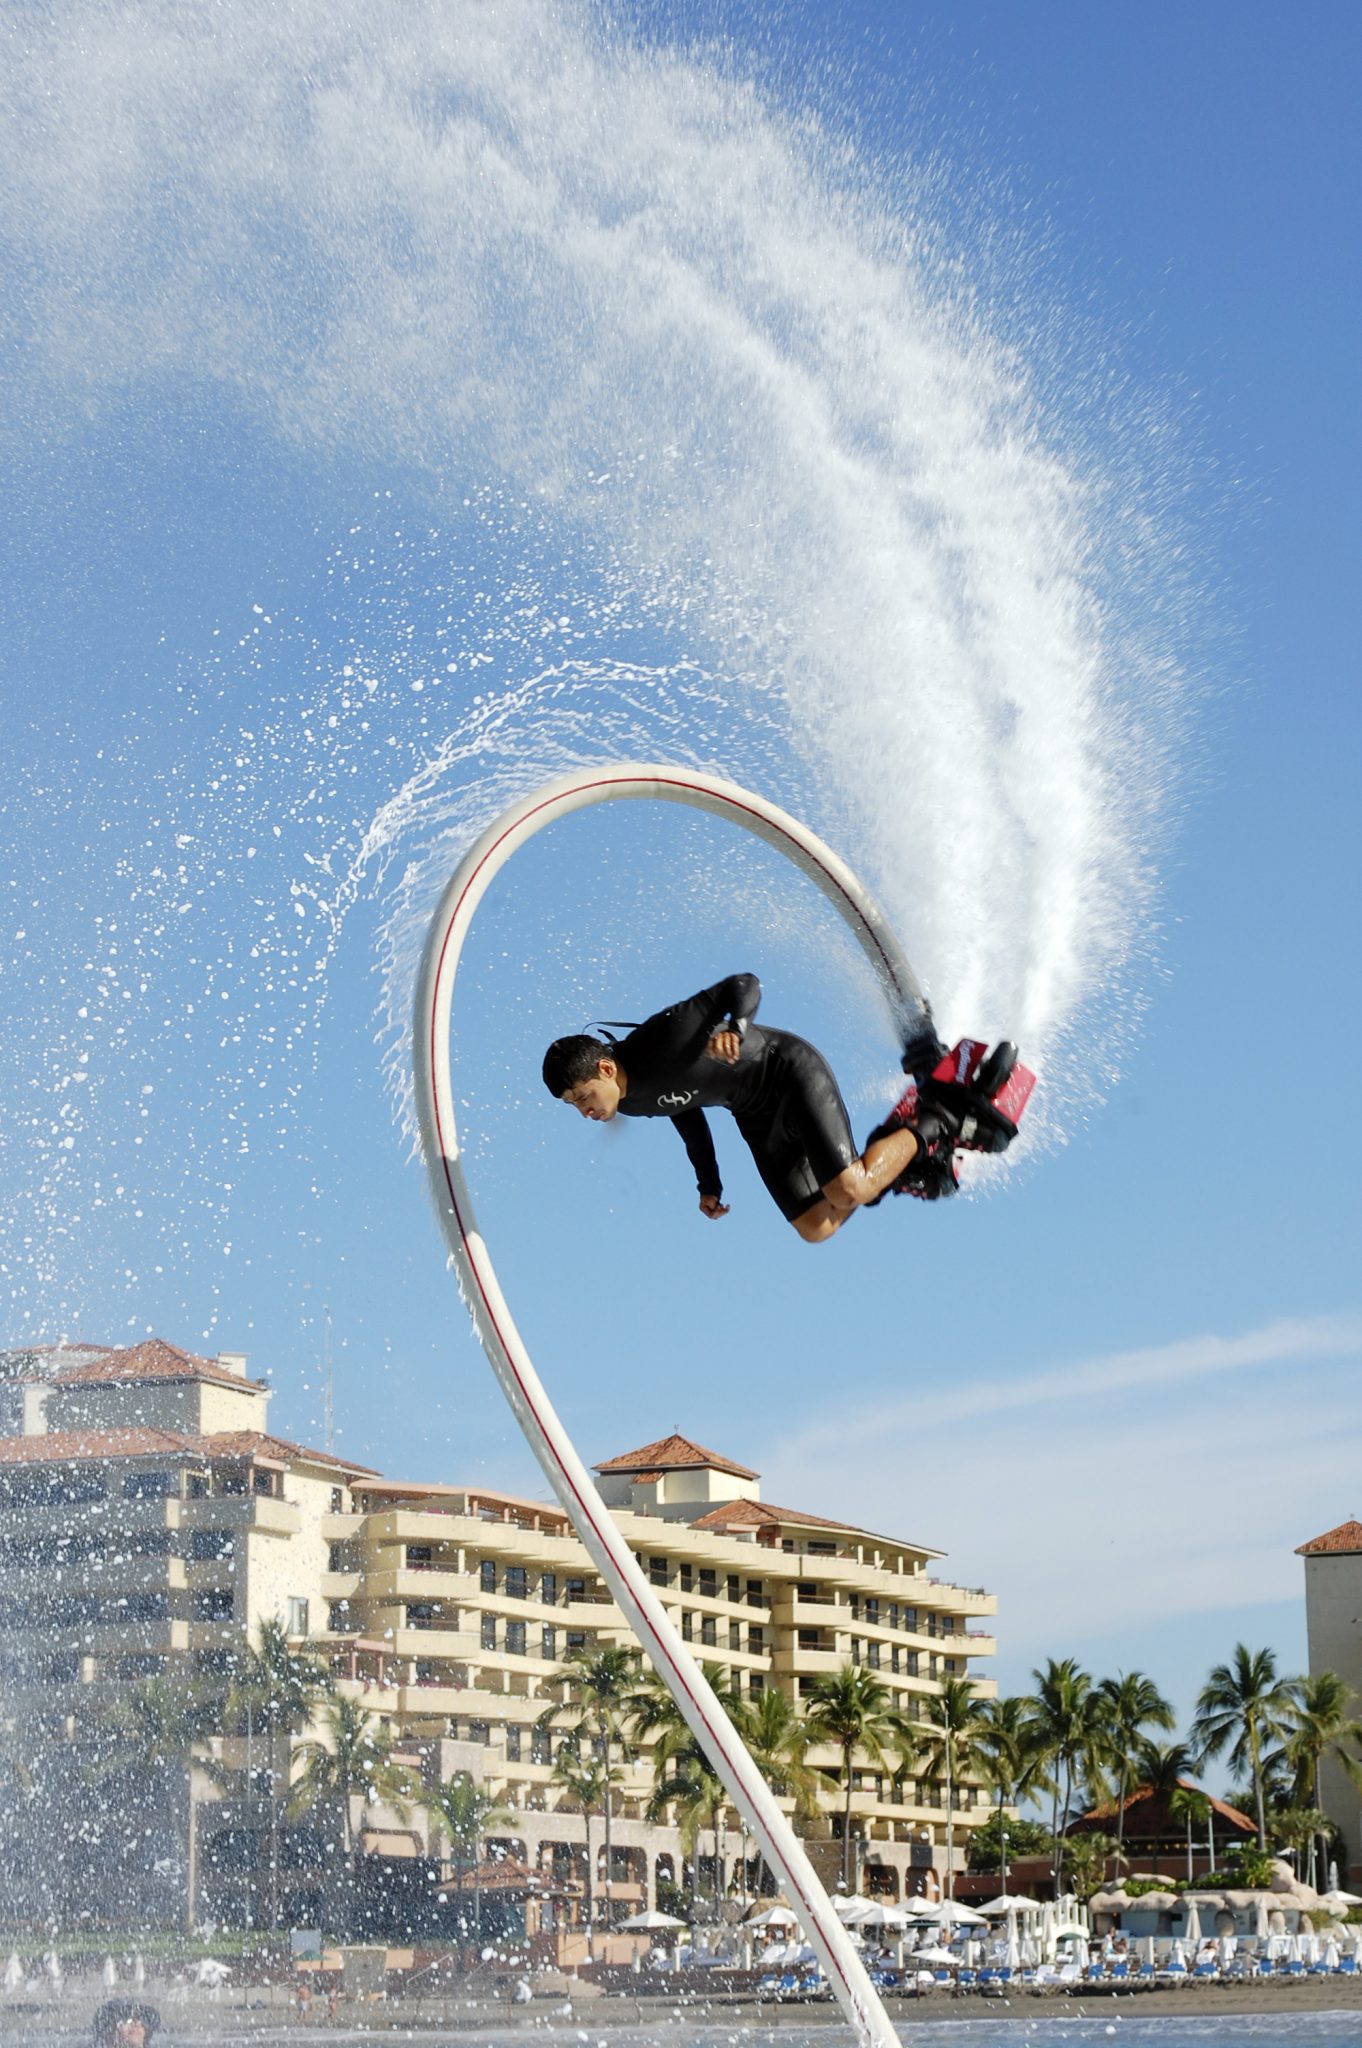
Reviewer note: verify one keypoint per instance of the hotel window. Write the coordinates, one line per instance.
(709, 1584)
(948, 1624)
(709, 1634)
(211, 1606)
(487, 1575)
(910, 1620)
(148, 1486)
(574, 1589)
(659, 1569)
(950, 1663)
(895, 1657)
(806, 1590)
(489, 1631)
(756, 1593)
(733, 1588)
(687, 1578)
(420, 1557)
(338, 1617)
(687, 1626)
(213, 1663)
(735, 1635)
(548, 1589)
(539, 1746)
(197, 1486)
(872, 1656)
(297, 1615)
(208, 1543)
(810, 1639)
(421, 1614)
(806, 1686)
(893, 1614)
(513, 1745)
(265, 1483)
(854, 1605)
(857, 1647)
(515, 1638)
(141, 1664)
(756, 1640)
(910, 1658)
(479, 1731)
(575, 1639)
(517, 1582)
(548, 1643)
(338, 1500)
(756, 1684)
(872, 1613)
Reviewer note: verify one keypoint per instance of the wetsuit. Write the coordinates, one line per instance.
(781, 1093)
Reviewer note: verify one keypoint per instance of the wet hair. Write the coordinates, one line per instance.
(570, 1060)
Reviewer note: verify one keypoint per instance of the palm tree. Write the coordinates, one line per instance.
(352, 1759)
(1009, 1759)
(1131, 1703)
(697, 1795)
(852, 1710)
(678, 1760)
(955, 1731)
(1244, 1706)
(600, 1685)
(161, 1727)
(275, 1692)
(1324, 1725)
(1189, 1803)
(1066, 1731)
(588, 1780)
(463, 1812)
(777, 1742)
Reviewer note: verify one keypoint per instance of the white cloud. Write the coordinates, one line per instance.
(1148, 1484)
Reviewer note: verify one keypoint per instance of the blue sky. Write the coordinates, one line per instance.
(247, 458)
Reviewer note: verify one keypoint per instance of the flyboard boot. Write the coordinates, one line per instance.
(969, 1100)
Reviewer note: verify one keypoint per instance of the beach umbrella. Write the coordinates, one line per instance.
(139, 1971)
(1013, 1946)
(1009, 1903)
(1339, 1901)
(52, 1966)
(1030, 1952)
(1331, 1955)
(953, 1914)
(883, 1916)
(1048, 1921)
(851, 1909)
(1261, 1929)
(14, 1973)
(647, 1923)
(937, 1956)
(1191, 1933)
(109, 1974)
(775, 1916)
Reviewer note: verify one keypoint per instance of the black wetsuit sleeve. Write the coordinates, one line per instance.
(679, 1035)
(699, 1143)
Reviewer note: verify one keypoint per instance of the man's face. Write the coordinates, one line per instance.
(597, 1098)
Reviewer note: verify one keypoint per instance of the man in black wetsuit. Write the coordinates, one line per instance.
(707, 1053)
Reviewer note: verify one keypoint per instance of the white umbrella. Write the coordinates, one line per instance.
(1030, 1952)
(647, 1923)
(852, 1909)
(883, 1916)
(1331, 1957)
(1013, 1946)
(1191, 1933)
(775, 1916)
(1047, 1931)
(771, 1955)
(953, 1914)
(109, 1974)
(14, 1973)
(1342, 1900)
(1261, 1929)
(52, 1965)
(1005, 1903)
(938, 1956)
(139, 1971)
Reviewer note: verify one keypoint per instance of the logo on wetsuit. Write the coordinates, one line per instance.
(676, 1101)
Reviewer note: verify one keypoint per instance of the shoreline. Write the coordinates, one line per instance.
(202, 2019)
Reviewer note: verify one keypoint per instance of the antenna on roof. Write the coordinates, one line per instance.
(328, 1385)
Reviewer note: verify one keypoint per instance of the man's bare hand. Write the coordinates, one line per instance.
(725, 1046)
(713, 1206)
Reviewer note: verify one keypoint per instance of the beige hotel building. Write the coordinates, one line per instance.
(149, 1521)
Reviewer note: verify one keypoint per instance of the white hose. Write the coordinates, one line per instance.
(501, 1340)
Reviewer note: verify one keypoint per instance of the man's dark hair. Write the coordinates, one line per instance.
(570, 1060)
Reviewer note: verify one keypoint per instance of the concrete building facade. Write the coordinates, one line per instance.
(149, 1522)
(1333, 1624)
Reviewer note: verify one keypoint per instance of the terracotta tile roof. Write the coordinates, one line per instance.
(764, 1514)
(1344, 1541)
(1147, 1814)
(674, 1454)
(83, 1446)
(154, 1360)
